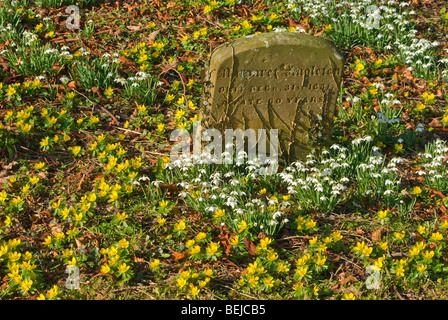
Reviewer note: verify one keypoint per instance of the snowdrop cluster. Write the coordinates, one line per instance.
(386, 25)
(434, 165)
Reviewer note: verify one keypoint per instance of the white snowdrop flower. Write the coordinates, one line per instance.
(272, 223)
(239, 211)
(388, 192)
(157, 182)
(213, 197)
(136, 183)
(277, 214)
(229, 174)
(183, 194)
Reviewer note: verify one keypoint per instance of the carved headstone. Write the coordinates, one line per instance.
(278, 80)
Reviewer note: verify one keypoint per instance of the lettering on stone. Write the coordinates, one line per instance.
(277, 80)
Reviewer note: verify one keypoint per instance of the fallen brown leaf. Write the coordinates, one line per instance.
(250, 246)
(348, 279)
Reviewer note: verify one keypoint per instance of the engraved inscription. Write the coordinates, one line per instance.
(290, 85)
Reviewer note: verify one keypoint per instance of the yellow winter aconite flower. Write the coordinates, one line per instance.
(16, 200)
(123, 243)
(379, 262)
(121, 216)
(10, 91)
(421, 267)
(359, 66)
(421, 229)
(39, 165)
(348, 296)
(320, 260)
(194, 249)
(72, 262)
(113, 196)
(301, 271)
(219, 213)
(179, 226)
(76, 150)
(421, 106)
(77, 216)
(26, 127)
(155, 263)
(53, 292)
(212, 248)
(414, 251)
(363, 249)
(7, 221)
(436, 236)
(59, 236)
(272, 256)
(190, 242)
(201, 236)
(163, 203)
(181, 282)
(234, 241)
(109, 91)
(242, 226)
(14, 256)
(336, 236)
(160, 127)
(264, 243)
(47, 240)
(281, 267)
(428, 254)
(269, 281)
(123, 268)
(399, 271)
(26, 284)
(34, 180)
(105, 268)
(67, 253)
(399, 235)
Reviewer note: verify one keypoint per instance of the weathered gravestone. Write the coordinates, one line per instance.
(279, 80)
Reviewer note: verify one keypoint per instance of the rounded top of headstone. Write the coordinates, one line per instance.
(274, 39)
